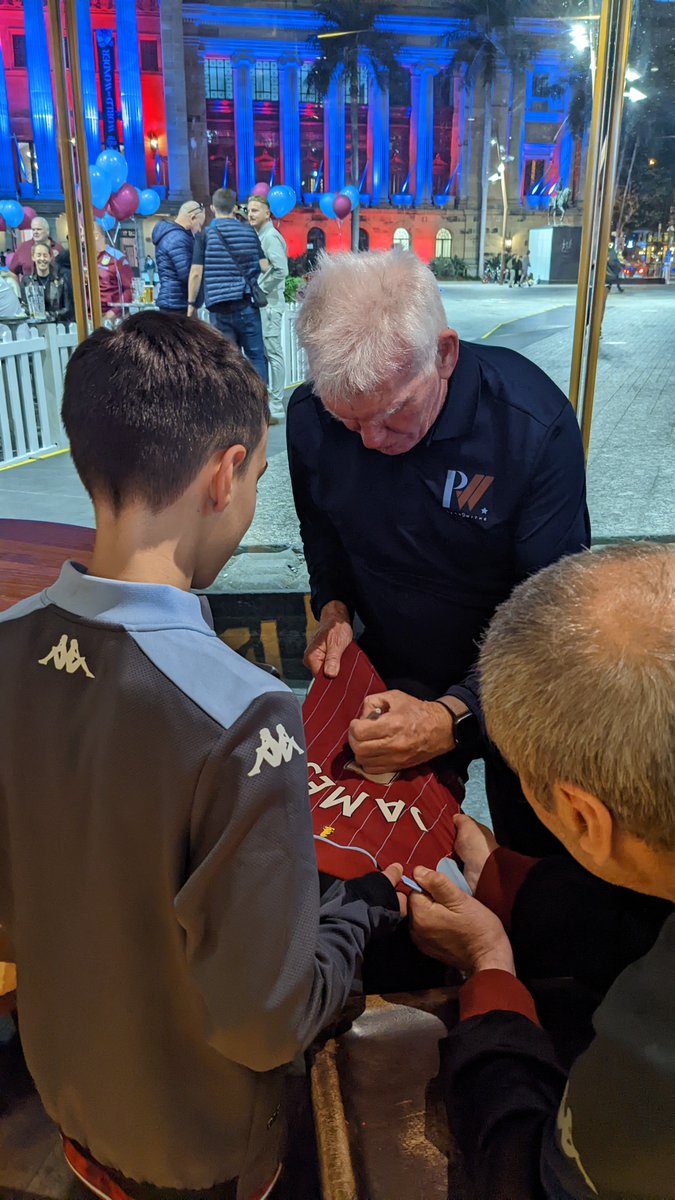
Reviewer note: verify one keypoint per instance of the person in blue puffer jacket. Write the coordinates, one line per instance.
(174, 244)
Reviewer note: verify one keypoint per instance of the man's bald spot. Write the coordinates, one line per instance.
(189, 208)
(631, 606)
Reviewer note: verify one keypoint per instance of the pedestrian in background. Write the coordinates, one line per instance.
(114, 277)
(272, 282)
(21, 262)
(228, 258)
(46, 278)
(174, 243)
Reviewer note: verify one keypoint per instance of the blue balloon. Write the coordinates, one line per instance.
(10, 210)
(100, 187)
(114, 165)
(281, 200)
(148, 202)
(353, 192)
(107, 221)
(326, 204)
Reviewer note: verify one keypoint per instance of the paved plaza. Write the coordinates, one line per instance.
(631, 474)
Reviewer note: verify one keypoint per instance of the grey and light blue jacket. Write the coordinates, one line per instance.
(158, 887)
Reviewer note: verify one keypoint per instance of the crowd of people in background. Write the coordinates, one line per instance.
(233, 271)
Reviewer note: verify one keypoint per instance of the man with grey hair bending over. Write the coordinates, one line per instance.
(430, 477)
(578, 686)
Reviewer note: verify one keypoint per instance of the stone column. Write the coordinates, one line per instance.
(424, 135)
(334, 134)
(130, 91)
(41, 101)
(7, 169)
(196, 121)
(175, 101)
(242, 81)
(88, 77)
(289, 124)
(378, 141)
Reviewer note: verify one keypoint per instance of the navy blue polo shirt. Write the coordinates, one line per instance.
(424, 545)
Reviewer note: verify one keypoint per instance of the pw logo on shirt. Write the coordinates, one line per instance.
(274, 750)
(66, 657)
(461, 492)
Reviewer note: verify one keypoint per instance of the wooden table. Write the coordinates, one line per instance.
(31, 554)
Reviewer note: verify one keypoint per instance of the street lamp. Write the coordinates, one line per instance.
(499, 176)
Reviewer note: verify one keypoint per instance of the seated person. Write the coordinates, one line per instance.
(53, 283)
(578, 684)
(158, 883)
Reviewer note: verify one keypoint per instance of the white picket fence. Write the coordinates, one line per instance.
(32, 367)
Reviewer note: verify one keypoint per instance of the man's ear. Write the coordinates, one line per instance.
(224, 465)
(587, 819)
(448, 352)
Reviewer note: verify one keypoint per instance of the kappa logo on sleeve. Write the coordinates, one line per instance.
(66, 657)
(462, 495)
(566, 1140)
(274, 750)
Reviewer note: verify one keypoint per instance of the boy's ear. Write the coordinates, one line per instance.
(225, 465)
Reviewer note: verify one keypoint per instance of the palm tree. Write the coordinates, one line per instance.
(348, 28)
(494, 36)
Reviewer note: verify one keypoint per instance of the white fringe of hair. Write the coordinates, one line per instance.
(367, 318)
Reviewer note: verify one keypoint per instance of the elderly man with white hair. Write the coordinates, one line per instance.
(430, 476)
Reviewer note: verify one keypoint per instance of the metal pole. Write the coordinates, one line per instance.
(71, 29)
(598, 203)
(619, 227)
(590, 198)
(622, 38)
(65, 149)
(505, 215)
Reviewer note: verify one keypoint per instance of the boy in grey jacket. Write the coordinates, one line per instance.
(158, 887)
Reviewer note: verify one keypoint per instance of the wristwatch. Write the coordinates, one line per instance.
(465, 727)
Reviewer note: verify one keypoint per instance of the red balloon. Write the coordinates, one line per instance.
(29, 214)
(98, 212)
(124, 202)
(261, 189)
(3, 226)
(342, 206)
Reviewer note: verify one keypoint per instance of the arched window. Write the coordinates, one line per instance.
(444, 244)
(364, 239)
(402, 238)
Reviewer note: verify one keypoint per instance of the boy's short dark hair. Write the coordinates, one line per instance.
(224, 200)
(147, 403)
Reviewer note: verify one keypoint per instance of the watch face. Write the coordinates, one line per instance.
(467, 730)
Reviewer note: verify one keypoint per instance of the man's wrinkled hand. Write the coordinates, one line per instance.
(330, 641)
(408, 732)
(452, 926)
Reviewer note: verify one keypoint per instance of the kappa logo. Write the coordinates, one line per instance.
(66, 657)
(461, 493)
(566, 1140)
(274, 750)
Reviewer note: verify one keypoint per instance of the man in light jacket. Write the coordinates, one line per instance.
(272, 283)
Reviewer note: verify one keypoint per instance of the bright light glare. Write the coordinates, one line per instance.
(579, 37)
(635, 94)
(494, 178)
(632, 74)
